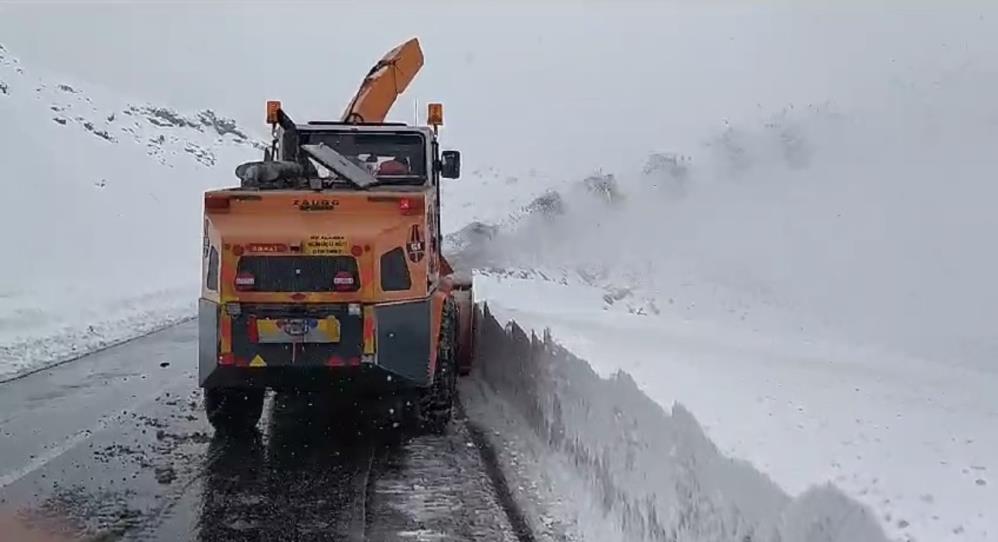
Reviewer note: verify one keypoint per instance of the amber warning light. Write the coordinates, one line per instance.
(273, 106)
(435, 115)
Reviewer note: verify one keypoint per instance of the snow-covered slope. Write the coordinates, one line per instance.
(634, 471)
(817, 291)
(100, 213)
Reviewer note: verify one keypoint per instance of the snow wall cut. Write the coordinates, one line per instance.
(652, 472)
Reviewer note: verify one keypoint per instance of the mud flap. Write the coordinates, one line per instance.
(403, 343)
(465, 354)
(208, 314)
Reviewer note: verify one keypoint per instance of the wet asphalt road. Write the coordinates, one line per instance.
(114, 446)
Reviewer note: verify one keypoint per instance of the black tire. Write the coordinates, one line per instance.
(233, 410)
(437, 402)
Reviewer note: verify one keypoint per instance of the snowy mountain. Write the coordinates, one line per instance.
(816, 291)
(101, 210)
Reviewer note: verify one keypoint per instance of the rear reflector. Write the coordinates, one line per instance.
(369, 344)
(266, 247)
(335, 361)
(245, 281)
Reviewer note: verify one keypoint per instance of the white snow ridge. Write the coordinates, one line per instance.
(626, 469)
(779, 329)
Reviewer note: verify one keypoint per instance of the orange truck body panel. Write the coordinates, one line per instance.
(339, 222)
(272, 256)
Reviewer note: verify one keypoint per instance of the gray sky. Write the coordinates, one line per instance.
(596, 84)
(568, 88)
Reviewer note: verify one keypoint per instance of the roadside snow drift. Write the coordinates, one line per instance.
(818, 291)
(100, 213)
(651, 472)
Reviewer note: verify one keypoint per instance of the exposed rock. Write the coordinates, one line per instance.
(222, 126)
(603, 186)
(548, 204)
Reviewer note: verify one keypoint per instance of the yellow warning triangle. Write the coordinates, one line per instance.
(258, 362)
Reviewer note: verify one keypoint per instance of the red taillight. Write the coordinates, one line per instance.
(408, 206)
(245, 281)
(251, 330)
(343, 281)
(335, 361)
(216, 203)
(357, 251)
(237, 250)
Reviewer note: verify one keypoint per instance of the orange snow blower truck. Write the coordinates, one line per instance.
(322, 271)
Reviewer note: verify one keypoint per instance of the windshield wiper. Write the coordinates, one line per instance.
(337, 163)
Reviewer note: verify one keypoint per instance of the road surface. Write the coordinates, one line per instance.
(114, 446)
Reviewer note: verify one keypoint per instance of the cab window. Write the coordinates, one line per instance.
(211, 282)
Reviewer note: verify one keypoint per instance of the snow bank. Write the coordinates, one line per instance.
(904, 436)
(823, 274)
(653, 473)
(101, 212)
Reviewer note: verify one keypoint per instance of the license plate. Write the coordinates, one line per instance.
(299, 330)
(296, 328)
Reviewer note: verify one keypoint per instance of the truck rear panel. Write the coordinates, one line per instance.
(295, 295)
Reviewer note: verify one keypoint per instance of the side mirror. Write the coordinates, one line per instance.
(450, 164)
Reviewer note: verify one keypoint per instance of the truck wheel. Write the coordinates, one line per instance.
(233, 410)
(437, 404)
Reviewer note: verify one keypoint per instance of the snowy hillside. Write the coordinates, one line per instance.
(101, 213)
(816, 291)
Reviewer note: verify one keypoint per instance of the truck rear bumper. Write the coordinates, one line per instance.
(341, 380)
(401, 357)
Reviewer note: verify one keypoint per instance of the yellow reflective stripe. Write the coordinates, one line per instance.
(369, 336)
(225, 333)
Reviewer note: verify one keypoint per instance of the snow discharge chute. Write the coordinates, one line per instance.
(384, 83)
